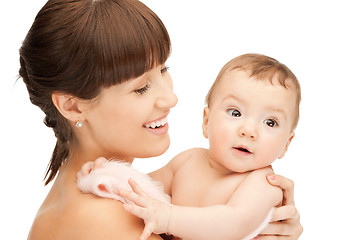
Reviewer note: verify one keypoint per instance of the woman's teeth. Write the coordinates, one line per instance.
(157, 124)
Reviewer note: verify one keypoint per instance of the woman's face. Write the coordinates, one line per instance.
(130, 119)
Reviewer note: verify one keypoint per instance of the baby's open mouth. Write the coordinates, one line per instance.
(242, 149)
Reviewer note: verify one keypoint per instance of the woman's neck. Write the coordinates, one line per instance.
(79, 156)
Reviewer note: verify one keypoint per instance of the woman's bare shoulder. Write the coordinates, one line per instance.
(88, 217)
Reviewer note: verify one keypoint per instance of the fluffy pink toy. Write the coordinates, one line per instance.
(114, 175)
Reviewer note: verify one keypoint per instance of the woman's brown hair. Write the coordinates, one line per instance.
(78, 47)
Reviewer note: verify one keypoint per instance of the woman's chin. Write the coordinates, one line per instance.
(154, 150)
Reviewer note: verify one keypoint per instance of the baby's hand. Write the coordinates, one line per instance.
(155, 213)
(90, 166)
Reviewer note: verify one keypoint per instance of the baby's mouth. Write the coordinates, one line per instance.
(242, 149)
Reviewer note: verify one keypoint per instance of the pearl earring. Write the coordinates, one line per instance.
(79, 124)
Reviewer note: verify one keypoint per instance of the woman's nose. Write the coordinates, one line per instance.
(167, 98)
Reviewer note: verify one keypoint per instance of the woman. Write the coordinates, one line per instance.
(96, 69)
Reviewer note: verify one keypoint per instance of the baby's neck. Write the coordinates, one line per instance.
(218, 168)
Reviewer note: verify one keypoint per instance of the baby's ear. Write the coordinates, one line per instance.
(292, 135)
(205, 122)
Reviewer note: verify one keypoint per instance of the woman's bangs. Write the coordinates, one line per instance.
(136, 41)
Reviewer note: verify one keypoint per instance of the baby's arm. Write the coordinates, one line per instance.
(249, 205)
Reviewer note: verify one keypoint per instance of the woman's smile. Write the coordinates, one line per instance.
(158, 127)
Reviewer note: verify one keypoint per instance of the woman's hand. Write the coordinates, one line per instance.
(285, 223)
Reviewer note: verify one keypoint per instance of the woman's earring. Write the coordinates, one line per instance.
(79, 124)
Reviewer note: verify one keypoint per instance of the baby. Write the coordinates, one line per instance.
(222, 192)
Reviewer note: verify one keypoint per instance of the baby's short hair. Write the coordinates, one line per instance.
(260, 67)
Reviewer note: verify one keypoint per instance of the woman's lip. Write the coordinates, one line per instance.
(156, 120)
(159, 130)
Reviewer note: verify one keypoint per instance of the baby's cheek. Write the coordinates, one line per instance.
(220, 135)
(270, 152)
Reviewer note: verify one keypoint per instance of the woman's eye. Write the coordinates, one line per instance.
(164, 69)
(234, 112)
(142, 90)
(271, 122)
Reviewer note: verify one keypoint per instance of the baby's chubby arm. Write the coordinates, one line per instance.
(246, 210)
(231, 221)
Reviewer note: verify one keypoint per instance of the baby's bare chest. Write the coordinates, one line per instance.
(203, 189)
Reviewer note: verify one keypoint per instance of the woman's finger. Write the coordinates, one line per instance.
(291, 228)
(277, 228)
(274, 238)
(288, 212)
(281, 230)
(286, 184)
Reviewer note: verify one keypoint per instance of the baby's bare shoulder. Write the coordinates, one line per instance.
(257, 180)
(188, 156)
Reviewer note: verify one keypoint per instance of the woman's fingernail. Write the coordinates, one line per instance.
(271, 177)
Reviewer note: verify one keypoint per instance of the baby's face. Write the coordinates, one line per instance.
(249, 122)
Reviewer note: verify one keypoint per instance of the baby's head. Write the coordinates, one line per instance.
(261, 68)
(252, 110)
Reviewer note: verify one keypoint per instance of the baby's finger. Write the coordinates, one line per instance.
(148, 230)
(133, 197)
(99, 162)
(135, 210)
(86, 168)
(136, 187)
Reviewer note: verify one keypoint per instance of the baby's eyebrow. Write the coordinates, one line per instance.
(233, 97)
(278, 110)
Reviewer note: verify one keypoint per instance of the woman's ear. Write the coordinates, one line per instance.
(205, 122)
(68, 106)
(292, 135)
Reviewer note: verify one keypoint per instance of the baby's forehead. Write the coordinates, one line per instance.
(270, 78)
(239, 85)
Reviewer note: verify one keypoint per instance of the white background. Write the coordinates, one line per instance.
(318, 40)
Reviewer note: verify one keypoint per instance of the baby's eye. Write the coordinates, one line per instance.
(234, 112)
(142, 90)
(271, 122)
